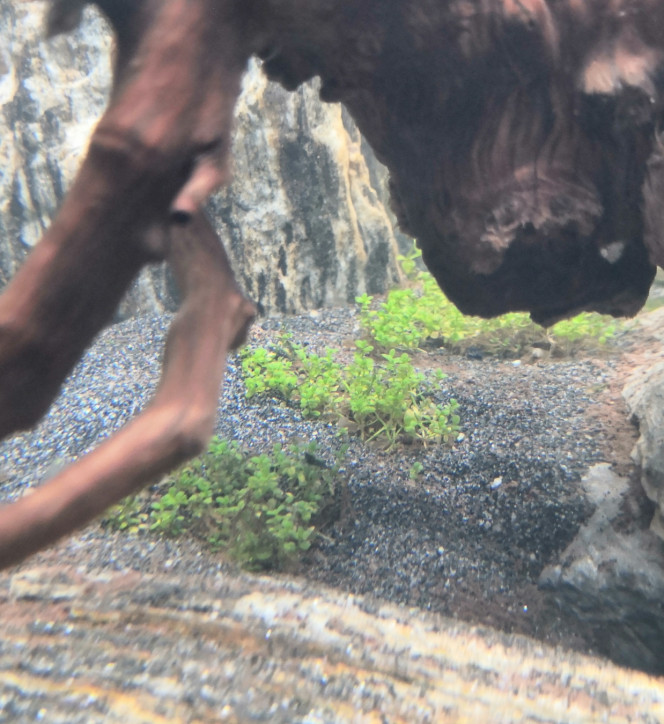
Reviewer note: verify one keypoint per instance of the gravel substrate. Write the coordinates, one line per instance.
(467, 538)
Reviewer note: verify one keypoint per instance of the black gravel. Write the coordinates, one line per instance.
(467, 537)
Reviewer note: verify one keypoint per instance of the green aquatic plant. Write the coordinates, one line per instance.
(380, 399)
(420, 316)
(259, 509)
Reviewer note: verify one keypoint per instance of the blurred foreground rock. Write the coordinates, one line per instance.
(644, 394)
(104, 647)
(612, 577)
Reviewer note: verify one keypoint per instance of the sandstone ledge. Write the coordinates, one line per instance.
(236, 648)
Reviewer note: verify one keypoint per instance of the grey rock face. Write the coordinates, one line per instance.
(644, 394)
(613, 580)
(51, 94)
(304, 220)
(612, 575)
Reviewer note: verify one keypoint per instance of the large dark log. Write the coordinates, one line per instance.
(518, 136)
(522, 141)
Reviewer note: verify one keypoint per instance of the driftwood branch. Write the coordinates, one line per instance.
(213, 319)
(158, 152)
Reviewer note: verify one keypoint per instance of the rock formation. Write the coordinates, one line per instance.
(307, 191)
(644, 394)
(303, 196)
(238, 648)
(611, 577)
(51, 94)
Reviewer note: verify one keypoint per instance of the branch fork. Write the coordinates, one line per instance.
(153, 161)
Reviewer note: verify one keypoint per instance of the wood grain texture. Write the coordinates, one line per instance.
(518, 136)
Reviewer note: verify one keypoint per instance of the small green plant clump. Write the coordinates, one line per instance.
(385, 398)
(260, 509)
(421, 315)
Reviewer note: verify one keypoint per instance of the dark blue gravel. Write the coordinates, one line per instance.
(468, 537)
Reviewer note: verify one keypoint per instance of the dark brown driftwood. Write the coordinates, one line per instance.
(522, 140)
(517, 134)
(214, 318)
